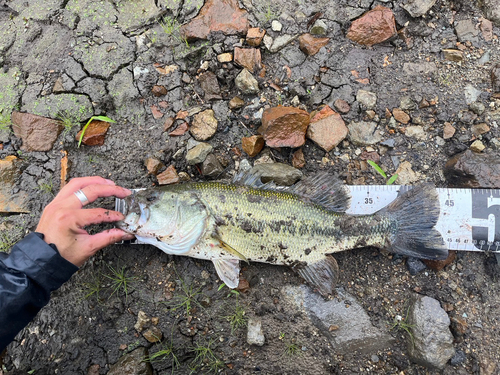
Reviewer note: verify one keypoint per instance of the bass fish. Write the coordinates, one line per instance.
(298, 226)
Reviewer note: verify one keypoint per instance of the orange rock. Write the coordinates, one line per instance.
(95, 133)
(159, 90)
(327, 129)
(38, 133)
(284, 126)
(9, 172)
(342, 106)
(180, 130)
(438, 265)
(298, 160)
(153, 165)
(311, 45)
(400, 116)
(255, 36)
(252, 145)
(156, 112)
(64, 168)
(216, 15)
(168, 123)
(373, 27)
(168, 177)
(249, 58)
(448, 130)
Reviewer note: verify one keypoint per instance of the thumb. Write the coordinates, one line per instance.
(108, 237)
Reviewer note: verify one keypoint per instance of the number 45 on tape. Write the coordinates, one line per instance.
(469, 219)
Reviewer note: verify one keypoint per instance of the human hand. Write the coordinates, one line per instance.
(63, 219)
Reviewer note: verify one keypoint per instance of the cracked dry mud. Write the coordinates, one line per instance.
(78, 58)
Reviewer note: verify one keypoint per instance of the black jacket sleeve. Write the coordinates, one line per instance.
(28, 274)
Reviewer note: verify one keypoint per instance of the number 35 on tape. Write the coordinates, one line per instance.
(469, 219)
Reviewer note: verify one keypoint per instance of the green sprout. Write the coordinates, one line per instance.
(6, 242)
(98, 118)
(47, 187)
(119, 281)
(232, 292)
(187, 299)
(93, 287)
(5, 122)
(166, 352)
(291, 346)
(401, 324)
(206, 360)
(169, 25)
(237, 319)
(380, 171)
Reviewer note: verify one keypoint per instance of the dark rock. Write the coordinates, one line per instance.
(415, 266)
(210, 85)
(38, 133)
(298, 159)
(459, 358)
(284, 126)
(132, 364)
(246, 82)
(472, 170)
(281, 174)
(211, 167)
(153, 165)
(216, 15)
(373, 27)
(342, 106)
(417, 8)
(236, 103)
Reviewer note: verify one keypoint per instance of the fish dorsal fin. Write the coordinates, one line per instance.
(252, 178)
(228, 271)
(325, 190)
(322, 275)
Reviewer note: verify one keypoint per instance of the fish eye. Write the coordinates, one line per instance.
(150, 198)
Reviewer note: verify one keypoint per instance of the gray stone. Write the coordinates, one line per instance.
(198, 153)
(132, 363)
(471, 94)
(416, 132)
(268, 41)
(363, 133)
(417, 8)
(342, 320)
(466, 31)
(281, 41)
(415, 266)
(142, 321)
(281, 174)
(406, 175)
(211, 167)
(367, 99)
(491, 9)
(276, 26)
(477, 107)
(255, 336)
(105, 53)
(407, 104)
(319, 28)
(419, 69)
(431, 343)
(124, 94)
(246, 83)
(292, 56)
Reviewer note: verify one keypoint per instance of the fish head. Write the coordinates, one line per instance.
(142, 211)
(170, 220)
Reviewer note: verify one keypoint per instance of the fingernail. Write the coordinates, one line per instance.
(109, 181)
(127, 237)
(128, 191)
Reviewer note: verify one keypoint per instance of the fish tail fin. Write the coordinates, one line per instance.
(415, 213)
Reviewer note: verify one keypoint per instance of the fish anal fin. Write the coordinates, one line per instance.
(322, 275)
(228, 271)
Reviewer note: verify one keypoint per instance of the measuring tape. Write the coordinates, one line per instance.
(469, 219)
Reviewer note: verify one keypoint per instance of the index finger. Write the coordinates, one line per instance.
(81, 182)
(92, 192)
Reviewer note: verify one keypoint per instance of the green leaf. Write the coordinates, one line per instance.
(377, 168)
(99, 118)
(392, 179)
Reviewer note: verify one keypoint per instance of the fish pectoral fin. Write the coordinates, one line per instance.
(228, 271)
(322, 275)
(230, 250)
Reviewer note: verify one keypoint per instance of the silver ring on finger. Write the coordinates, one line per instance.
(82, 197)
